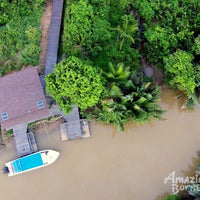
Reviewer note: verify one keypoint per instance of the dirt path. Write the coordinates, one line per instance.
(45, 24)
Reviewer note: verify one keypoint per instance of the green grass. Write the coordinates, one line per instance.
(19, 34)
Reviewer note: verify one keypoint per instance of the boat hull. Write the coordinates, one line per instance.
(31, 162)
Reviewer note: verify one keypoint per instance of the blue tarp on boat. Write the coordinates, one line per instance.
(27, 162)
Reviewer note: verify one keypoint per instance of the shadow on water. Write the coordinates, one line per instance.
(171, 97)
(190, 172)
(115, 129)
(192, 167)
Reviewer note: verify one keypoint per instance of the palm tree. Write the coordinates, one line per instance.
(127, 30)
(141, 100)
(138, 104)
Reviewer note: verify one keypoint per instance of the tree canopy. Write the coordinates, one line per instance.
(180, 72)
(171, 41)
(75, 81)
(85, 30)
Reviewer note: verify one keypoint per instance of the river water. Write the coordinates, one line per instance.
(111, 165)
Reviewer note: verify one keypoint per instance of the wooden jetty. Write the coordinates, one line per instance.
(54, 35)
(74, 127)
(66, 134)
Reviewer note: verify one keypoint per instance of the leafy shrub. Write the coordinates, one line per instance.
(85, 31)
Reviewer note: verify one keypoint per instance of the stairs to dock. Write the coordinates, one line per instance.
(32, 142)
(25, 143)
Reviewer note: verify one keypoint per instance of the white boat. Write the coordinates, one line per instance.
(30, 162)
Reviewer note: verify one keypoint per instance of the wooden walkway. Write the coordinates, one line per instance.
(21, 140)
(73, 124)
(51, 59)
(54, 33)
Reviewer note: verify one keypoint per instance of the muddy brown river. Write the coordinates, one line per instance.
(111, 165)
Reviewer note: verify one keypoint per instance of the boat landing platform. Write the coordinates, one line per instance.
(67, 134)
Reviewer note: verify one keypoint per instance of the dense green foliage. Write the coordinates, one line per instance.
(84, 30)
(103, 40)
(75, 82)
(196, 46)
(172, 40)
(106, 34)
(101, 31)
(169, 25)
(19, 34)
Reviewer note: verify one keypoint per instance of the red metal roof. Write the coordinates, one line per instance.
(19, 93)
